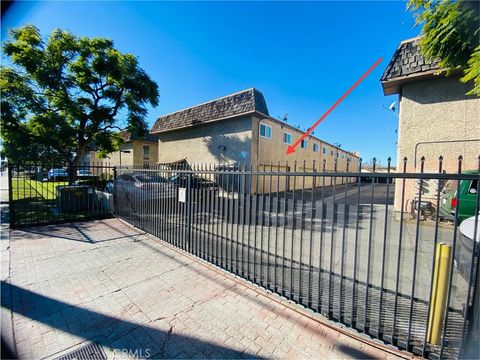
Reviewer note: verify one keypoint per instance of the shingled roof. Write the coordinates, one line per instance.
(241, 103)
(407, 63)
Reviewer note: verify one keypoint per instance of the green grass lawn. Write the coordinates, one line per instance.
(36, 201)
(25, 188)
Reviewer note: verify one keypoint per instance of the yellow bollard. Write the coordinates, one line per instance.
(441, 273)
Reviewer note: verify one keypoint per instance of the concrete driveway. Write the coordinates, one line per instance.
(133, 296)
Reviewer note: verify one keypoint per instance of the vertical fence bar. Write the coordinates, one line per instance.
(255, 230)
(397, 278)
(384, 250)
(320, 250)
(270, 175)
(284, 232)
(472, 315)
(239, 218)
(342, 252)
(203, 209)
(249, 213)
(355, 249)
(262, 216)
(310, 246)
(302, 226)
(435, 240)
(292, 240)
(243, 178)
(415, 257)
(210, 218)
(230, 202)
(370, 234)
(277, 213)
(11, 209)
(332, 242)
(450, 276)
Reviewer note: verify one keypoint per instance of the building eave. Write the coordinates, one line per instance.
(247, 113)
(394, 86)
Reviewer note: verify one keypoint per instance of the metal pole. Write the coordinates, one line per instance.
(10, 197)
(114, 212)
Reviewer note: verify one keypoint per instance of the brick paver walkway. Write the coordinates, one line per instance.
(103, 281)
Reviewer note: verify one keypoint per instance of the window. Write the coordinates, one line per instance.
(473, 187)
(287, 138)
(146, 152)
(315, 147)
(343, 156)
(324, 150)
(265, 131)
(303, 144)
(331, 152)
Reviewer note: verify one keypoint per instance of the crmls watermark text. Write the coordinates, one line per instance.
(133, 353)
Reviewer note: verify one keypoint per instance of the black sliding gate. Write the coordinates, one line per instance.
(329, 241)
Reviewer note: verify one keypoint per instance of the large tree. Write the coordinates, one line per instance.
(451, 32)
(62, 93)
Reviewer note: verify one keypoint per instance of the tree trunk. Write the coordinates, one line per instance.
(73, 164)
(72, 173)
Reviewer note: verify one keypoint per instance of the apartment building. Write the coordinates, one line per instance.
(136, 152)
(238, 129)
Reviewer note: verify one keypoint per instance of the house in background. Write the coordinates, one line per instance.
(136, 152)
(237, 129)
(436, 118)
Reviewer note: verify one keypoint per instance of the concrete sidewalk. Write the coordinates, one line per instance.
(105, 282)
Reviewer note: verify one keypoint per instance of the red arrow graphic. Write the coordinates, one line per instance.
(291, 148)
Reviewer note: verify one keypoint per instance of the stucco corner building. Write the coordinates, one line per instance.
(436, 118)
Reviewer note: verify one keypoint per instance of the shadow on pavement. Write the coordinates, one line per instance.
(110, 331)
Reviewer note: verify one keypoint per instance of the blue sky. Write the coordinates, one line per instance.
(301, 56)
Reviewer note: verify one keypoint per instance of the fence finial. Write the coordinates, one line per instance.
(422, 164)
(389, 161)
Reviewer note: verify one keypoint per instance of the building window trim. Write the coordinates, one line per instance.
(267, 134)
(303, 144)
(146, 155)
(316, 147)
(288, 136)
(324, 150)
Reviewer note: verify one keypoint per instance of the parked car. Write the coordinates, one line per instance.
(141, 183)
(466, 245)
(196, 182)
(57, 174)
(84, 173)
(466, 199)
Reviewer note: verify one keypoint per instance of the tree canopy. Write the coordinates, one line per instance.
(63, 93)
(451, 31)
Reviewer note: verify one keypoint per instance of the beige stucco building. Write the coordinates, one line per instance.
(237, 129)
(136, 152)
(436, 119)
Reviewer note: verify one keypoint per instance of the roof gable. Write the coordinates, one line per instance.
(244, 102)
(407, 62)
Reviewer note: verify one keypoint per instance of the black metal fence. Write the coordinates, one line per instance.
(361, 253)
(44, 194)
